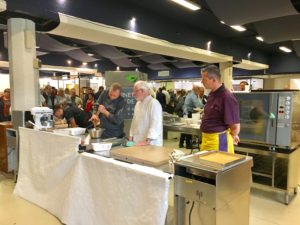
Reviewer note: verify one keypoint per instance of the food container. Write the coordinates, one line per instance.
(96, 132)
(70, 131)
(101, 146)
(77, 131)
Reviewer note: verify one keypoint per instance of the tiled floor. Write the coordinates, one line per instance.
(265, 207)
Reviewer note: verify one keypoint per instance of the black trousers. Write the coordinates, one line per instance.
(186, 137)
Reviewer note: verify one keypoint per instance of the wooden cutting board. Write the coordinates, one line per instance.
(147, 155)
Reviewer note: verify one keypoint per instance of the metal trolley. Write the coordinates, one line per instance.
(212, 193)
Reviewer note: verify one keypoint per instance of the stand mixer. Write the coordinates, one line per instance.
(43, 117)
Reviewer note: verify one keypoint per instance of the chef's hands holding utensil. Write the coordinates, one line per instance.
(103, 110)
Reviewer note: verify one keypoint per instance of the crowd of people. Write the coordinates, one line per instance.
(220, 122)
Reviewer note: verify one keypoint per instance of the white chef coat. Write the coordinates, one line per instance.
(147, 122)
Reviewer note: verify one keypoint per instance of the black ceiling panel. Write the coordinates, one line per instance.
(279, 29)
(239, 12)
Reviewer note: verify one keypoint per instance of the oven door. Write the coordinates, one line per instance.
(258, 116)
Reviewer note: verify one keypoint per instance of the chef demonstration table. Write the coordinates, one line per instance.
(184, 129)
(88, 188)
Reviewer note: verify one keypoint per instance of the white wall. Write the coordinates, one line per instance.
(281, 82)
(4, 81)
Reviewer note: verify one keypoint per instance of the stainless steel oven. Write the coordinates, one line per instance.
(270, 118)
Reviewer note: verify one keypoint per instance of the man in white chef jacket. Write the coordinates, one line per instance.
(146, 126)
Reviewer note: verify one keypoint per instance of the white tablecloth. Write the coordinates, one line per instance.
(86, 189)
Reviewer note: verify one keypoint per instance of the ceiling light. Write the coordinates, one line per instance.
(238, 28)
(118, 68)
(285, 49)
(84, 63)
(37, 47)
(90, 54)
(222, 22)
(69, 62)
(249, 55)
(259, 38)
(188, 4)
(96, 65)
(208, 44)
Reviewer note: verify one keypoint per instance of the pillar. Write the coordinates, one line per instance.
(226, 74)
(23, 68)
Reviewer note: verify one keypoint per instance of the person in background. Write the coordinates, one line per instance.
(98, 93)
(166, 93)
(243, 85)
(109, 108)
(146, 126)
(161, 97)
(221, 120)
(171, 106)
(179, 102)
(191, 102)
(202, 97)
(89, 90)
(50, 97)
(89, 103)
(61, 97)
(75, 100)
(5, 106)
(75, 117)
(67, 92)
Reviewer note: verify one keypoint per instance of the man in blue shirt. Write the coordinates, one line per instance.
(191, 102)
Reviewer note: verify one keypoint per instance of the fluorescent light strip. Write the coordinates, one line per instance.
(285, 49)
(259, 38)
(188, 4)
(238, 28)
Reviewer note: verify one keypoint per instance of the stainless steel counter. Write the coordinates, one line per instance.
(278, 170)
(210, 196)
(183, 129)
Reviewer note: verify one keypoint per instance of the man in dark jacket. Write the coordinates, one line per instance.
(110, 110)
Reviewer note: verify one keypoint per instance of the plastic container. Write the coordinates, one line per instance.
(101, 146)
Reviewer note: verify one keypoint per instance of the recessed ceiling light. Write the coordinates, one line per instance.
(69, 62)
(37, 47)
(238, 28)
(84, 63)
(90, 54)
(188, 4)
(96, 65)
(259, 38)
(285, 49)
(222, 22)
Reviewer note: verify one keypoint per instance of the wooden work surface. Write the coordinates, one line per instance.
(3, 145)
(147, 155)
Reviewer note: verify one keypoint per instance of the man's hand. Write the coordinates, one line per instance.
(94, 118)
(103, 110)
(236, 139)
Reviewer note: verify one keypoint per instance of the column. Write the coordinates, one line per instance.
(226, 74)
(23, 68)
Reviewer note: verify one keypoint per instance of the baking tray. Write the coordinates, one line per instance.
(215, 159)
(146, 155)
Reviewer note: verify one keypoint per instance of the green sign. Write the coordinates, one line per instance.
(131, 78)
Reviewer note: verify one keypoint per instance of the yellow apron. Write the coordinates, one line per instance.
(222, 142)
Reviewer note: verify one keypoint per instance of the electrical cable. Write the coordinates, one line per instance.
(190, 214)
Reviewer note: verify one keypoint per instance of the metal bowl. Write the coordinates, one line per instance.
(96, 132)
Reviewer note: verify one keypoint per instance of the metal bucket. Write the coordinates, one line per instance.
(96, 132)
